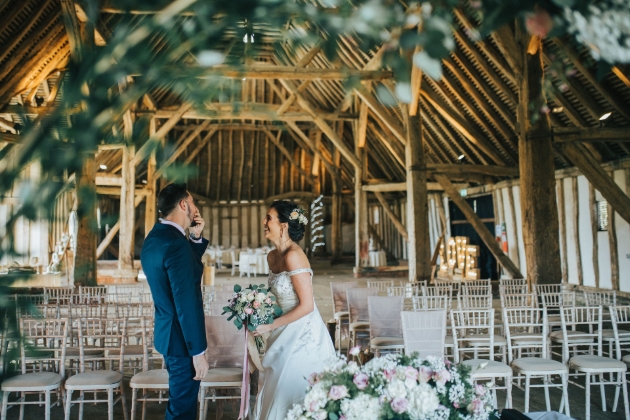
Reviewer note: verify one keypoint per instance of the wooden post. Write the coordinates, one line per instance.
(85, 254)
(337, 240)
(362, 238)
(127, 210)
(536, 166)
(480, 228)
(417, 201)
(151, 203)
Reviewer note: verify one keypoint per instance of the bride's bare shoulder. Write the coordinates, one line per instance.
(296, 258)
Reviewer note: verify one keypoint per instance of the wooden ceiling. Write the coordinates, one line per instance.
(242, 153)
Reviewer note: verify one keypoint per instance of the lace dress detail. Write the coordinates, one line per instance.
(293, 352)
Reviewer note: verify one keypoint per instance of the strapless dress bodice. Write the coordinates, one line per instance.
(282, 288)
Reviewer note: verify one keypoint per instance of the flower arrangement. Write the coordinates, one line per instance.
(299, 214)
(394, 387)
(251, 307)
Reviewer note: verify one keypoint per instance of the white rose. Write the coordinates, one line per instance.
(362, 407)
(242, 299)
(316, 398)
(260, 297)
(250, 297)
(423, 400)
(396, 388)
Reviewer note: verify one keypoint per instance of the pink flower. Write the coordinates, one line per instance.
(539, 23)
(248, 310)
(425, 374)
(342, 417)
(256, 304)
(447, 362)
(442, 377)
(354, 351)
(476, 406)
(389, 374)
(361, 380)
(268, 301)
(456, 404)
(338, 392)
(399, 405)
(480, 390)
(411, 373)
(313, 379)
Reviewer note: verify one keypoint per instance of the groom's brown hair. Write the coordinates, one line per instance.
(170, 196)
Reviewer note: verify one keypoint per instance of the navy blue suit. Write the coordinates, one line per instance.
(173, 268)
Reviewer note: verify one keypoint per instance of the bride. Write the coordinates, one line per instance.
(299, 343)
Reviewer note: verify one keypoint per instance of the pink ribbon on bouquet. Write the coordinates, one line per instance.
(245, 383)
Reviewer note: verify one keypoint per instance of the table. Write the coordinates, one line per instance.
(258, 259)
(377, 258)
(212, 254)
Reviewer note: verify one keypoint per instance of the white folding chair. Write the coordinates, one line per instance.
(381, 285)
(424, 332)
(340, 308)
(588, 359)
(526, 333)
(359, 316)
(385, 328)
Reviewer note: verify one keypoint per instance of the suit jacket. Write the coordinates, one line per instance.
(173, 268)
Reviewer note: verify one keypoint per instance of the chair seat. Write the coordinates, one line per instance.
(538, 364)
(608, 334)
(522, 339)
(483, 340)
(223, 375)
(98, 379)
(626, 359)
(590, 363)
(387, 342)
(492, 368)
(74, 352)
(32, 382)
(157, 378)
(134, 350)
(341, 314)
(574, 337)
(360, 326)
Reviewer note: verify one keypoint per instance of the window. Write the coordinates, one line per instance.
(602, 215)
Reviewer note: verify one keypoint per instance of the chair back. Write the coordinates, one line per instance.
(438, 291)
(476, 290)
(526, 329)
(43, 345)
(424, 303)
(474, 302)
(146, 297)
(59, 295)
(101, 335)
(85, 310)
(588, 321)
(235, 261)
(135, 310)
(557, 300)
(381, 285)
(512, 282)
(513, 289)
(479, 282)
(607, 298)
(338, 291)
(418, 283)
(225, 343)
(45, 310)
(521, 300)
(358, 303)
(384, 316)
(620, 319)
(93, 294)
(408, 291)
(477, 323)
(424, 332)
(549, 288)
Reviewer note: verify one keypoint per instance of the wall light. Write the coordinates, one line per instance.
(461, 157)
(605, 116)
(103, 167)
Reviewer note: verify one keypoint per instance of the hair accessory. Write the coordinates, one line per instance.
(299, 214)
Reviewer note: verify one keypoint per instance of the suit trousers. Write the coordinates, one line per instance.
(182, 388)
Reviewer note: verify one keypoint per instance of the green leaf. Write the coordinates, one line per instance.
(238, 323)
(237, 288)
(333, 416)
(251, 327)
(227, 309)
(277, 311)
(431, 66)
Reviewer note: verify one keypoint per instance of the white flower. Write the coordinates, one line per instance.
(294, 215)
(296, 413)
(260, 297)
(250, 297)
(242, 299)
(316, 398)
(423, 400)
(362, 407)
(303, 220)
(396, 388)
(352, 367)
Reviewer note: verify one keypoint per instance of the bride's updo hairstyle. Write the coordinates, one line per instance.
(286, 214)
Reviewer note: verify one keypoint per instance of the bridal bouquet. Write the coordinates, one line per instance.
(251, 307)
(394, 387)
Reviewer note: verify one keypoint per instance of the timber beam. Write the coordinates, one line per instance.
(485, 235)
(295, 73)
(402, 186)
(592, 134)
(455, 169)
(397, 223)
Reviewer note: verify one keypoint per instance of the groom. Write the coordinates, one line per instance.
(172, 264)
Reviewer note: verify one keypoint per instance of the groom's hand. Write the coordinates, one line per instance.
(201, 367)
(198, 228)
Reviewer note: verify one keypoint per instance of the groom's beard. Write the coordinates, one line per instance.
(191, 217)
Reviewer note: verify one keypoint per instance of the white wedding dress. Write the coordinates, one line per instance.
(293, 353)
